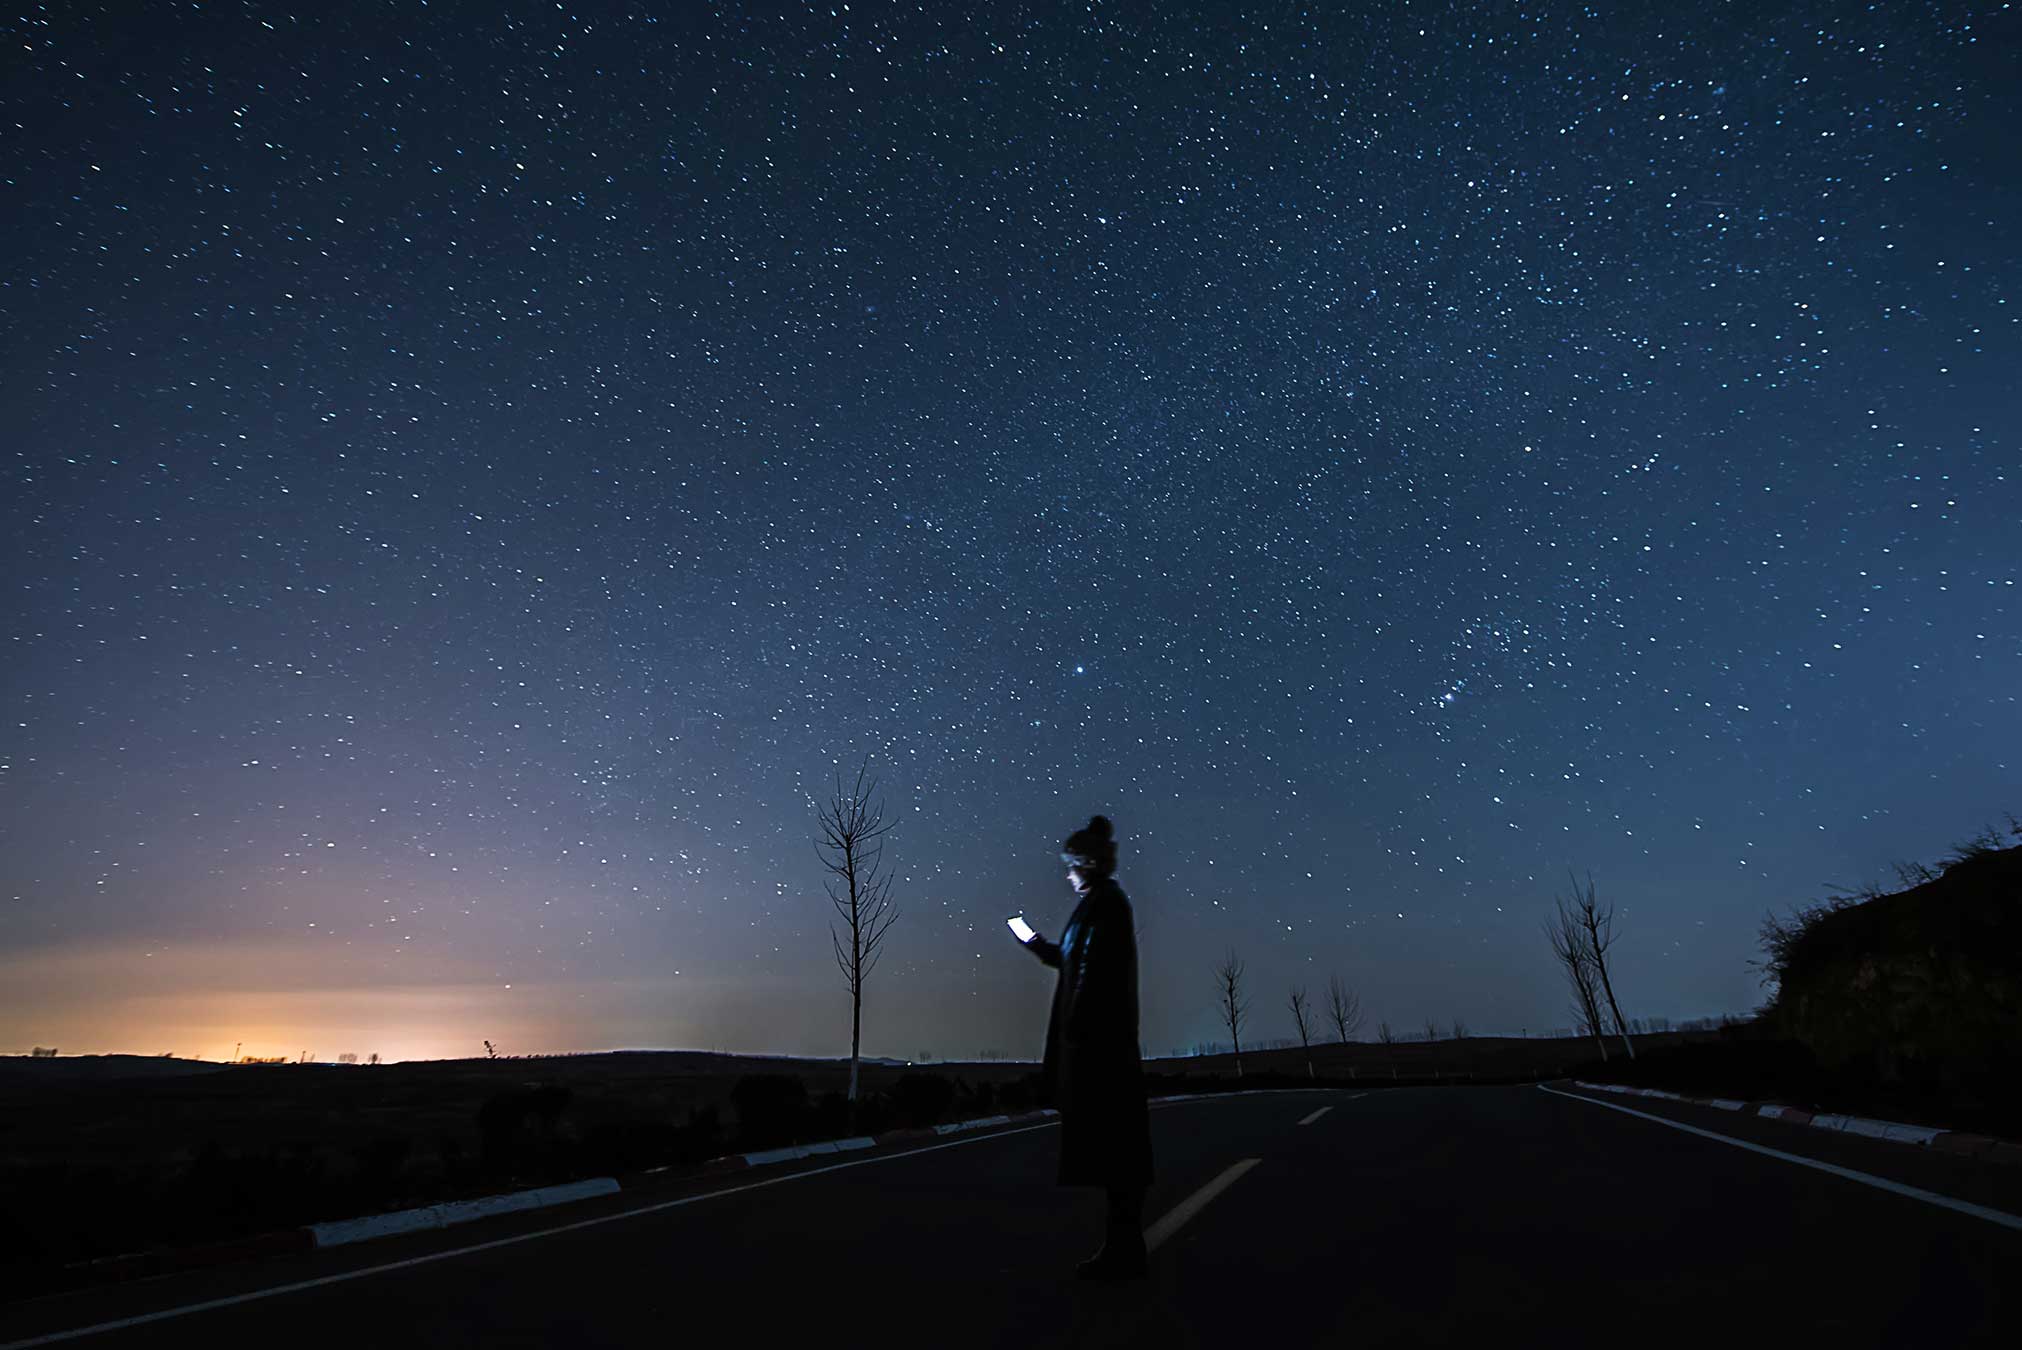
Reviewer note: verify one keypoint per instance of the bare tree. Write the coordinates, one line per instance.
(1229, 1002)
(1459, 1030)
(1597, 921)
(1302, 1018)
(1431, 1031)
(851, 846)
(1569, 945)
(1344, 1009)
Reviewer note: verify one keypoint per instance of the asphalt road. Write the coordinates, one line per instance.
(1402, 1217)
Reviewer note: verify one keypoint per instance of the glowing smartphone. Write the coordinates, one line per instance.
(1020, 929)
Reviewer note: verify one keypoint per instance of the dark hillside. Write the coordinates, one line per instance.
(1905, 1006)
(1920, 989)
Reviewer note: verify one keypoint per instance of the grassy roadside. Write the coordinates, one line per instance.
(1754, 1063)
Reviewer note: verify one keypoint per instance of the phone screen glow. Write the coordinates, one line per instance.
(1020, 929)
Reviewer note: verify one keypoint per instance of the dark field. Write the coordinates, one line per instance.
(103, 1157)
(108, 1156)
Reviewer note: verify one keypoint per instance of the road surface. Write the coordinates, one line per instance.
(1395, 1217)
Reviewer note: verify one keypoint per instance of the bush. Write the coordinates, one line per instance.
(771, 1109)
(702, 1137)
(922, 1099)
(381, 1163)
(1023, 1094)
(832, 1116)
(980, 1100)
(521, 1124)
(629, 1145)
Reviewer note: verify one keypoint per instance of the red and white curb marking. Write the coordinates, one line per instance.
(1948, 1141)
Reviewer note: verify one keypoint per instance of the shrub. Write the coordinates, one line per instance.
(832, 1116)
(1023, 1094)
(628, 1145)
(922, 1099)
(771, 1109)
(518, 1124)
(982, 1099)
(381, 1162)
(702, 1136)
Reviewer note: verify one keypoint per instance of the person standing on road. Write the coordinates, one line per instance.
(1092, 1060)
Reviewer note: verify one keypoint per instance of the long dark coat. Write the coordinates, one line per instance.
(1091, 1044)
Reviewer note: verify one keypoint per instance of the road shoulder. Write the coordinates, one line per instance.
(1974, 1180)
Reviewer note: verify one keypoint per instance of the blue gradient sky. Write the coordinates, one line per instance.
(475, 472)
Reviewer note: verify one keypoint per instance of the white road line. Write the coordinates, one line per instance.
(2001, 1217)
(120, 1324)
(1179, 1214)
(1316, 1115)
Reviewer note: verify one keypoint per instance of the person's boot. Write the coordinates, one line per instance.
(1122, 1256)
(1114, 1262)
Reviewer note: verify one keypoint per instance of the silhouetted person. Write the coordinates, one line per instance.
(1091, 1051)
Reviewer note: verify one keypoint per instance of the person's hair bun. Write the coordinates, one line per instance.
(1092, 847)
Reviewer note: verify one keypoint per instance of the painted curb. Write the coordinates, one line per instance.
(1336, 1086)
(1895, 1131)
(795, 1152)
(174, 1260)
(456, 1211)
(1965, 1145)
(792, 1151)
(1878, 1129)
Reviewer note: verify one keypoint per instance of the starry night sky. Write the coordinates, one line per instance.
(474, 472)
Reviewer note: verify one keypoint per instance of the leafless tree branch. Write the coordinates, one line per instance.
(1344, 1009)
(1569, 945)
(1302, 1018)
(1597, 921)
(850, 830)
(1230, 1003)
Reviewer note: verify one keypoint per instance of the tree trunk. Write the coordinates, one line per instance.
(1239, 1052)
(1594, 1023)
(1621, 1027)
(856, 1046)
(856, 993)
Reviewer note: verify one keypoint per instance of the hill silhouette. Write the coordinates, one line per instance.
(1919, 989)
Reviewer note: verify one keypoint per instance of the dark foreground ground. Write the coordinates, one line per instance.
(1418, 1216)
(103, 1157)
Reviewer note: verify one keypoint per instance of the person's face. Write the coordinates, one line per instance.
(1078, 880)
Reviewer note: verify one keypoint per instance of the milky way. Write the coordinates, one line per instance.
(475, 472)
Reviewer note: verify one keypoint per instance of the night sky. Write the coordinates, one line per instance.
(473, 473)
